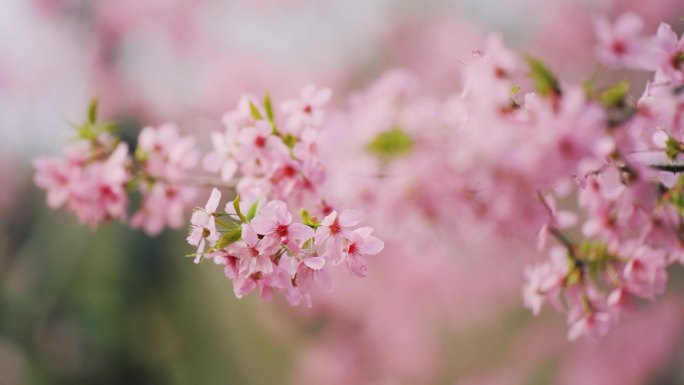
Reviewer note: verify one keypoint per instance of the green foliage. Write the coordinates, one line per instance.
(673, 148)
(614, 96)
(544, 80)
(236, 206)
(268, 107)
(308, 220)
(289, 140)
(390, 144)
(251, 213)
(91, 129)
(232, 235)
(92, 111)
(255, 112)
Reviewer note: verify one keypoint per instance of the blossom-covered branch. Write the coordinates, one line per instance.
(274, 168)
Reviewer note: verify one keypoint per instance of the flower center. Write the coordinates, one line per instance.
(253, 251)
(281, 231)
(289, 171)
(353, 249)
(335, 227)
(619, 48)
(260, 142)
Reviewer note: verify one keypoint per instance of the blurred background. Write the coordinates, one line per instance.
(113, 306)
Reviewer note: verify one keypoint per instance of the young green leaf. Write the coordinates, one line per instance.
(236, 206)
(308, 220)
(251, 213)
(615, 96)
(268, 107)
(255, 112)
(231, 236)
(544, 80)
(390, 144)
(92, 112)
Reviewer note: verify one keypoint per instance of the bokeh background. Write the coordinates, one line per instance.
(113, 306)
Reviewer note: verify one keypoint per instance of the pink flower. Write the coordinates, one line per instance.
(558, 220)
(163, 205)
(361, 243)
(254, 253)
(621, 43)
(645, 274)
(259, 148)
(165, 153)
(275, 221)
(310, 270)
(203, 227)
(544, 281)
(100, 194)
(166, 158)
(592, 325)
(221, 159)
(672, 60)
(55, 176)
(308, 109)
(333, 231)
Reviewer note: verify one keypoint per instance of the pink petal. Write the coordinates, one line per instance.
(329, 219)
(195, 236)
(248, 235)
(315, 263)
(300, 232)
(350, 218)
(565, 219)
(371, 245)
(229, 169)
(213, 201)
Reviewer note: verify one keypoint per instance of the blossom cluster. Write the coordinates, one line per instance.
(630, 197)
(97, 176)
(515, 141)
(90, 178)
(273, 166)
(503, 153)
(278, 172)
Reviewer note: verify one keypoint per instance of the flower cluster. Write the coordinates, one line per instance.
(97, 176)
(500, 154)
(278, 171)
(630, 198)
(165, 158)
(91, 177)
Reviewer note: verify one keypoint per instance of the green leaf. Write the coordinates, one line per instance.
(236, 206)
(92, 111)
(308, 220)
(231, 236)
(255, 112)
(390, 144)
(672, 148)
(615, 96)
(574, 276)
(251, 213)
(545, 81)
(289, 140)
(268, 107)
